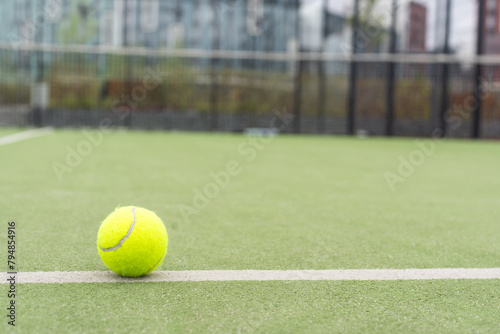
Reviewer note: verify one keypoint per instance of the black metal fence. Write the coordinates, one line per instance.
(242, 75)
(193, 91)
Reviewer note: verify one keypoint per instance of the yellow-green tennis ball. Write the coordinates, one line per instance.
(132, 241)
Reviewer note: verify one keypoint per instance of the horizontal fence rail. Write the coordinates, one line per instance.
(424, 58)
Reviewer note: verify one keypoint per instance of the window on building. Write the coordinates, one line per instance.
(491, 21)
(255, 16)
(106, 33)
(149, 15)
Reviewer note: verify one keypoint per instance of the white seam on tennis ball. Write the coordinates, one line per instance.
(130, 229)
(161, 258)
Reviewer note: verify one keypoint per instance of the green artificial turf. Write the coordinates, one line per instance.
(265, 307)
(296, 203)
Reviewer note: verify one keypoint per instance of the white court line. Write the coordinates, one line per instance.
(24, 135)
(258, 275)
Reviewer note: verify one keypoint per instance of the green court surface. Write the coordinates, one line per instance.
(284, 203)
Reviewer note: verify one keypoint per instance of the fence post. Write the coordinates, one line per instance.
(351, 103)
(445, 73)
(476, 126)
(127, 121)
(391, 71)
(297, 94)
(39, 88)
(214, 83)
(320, 117)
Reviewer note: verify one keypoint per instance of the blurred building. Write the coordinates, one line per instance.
(417, 28)
(266, 25)
(412, 27)
(440, 25)
(491, 27)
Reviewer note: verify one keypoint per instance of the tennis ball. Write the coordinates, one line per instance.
(132, 241)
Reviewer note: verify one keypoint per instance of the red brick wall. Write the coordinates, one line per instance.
(417, 29)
